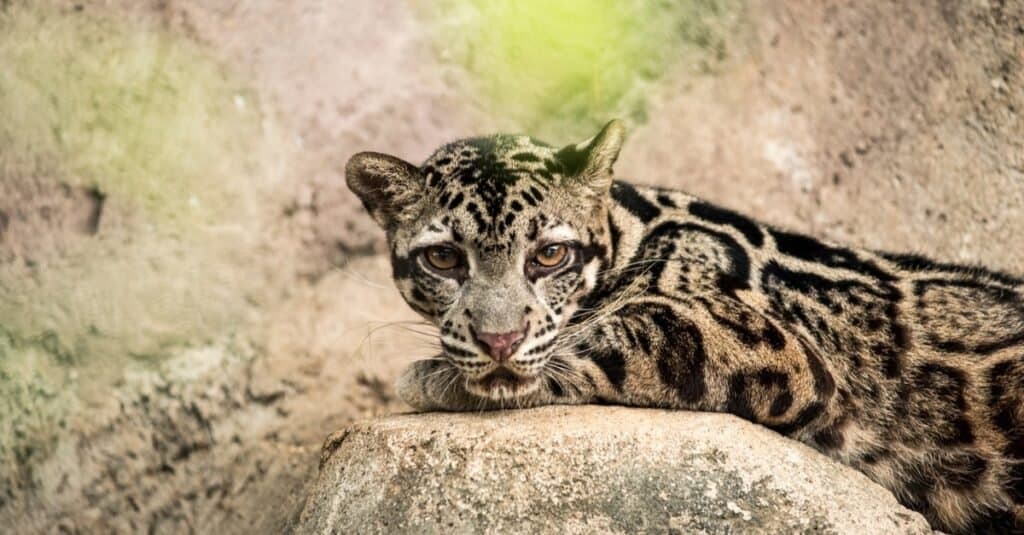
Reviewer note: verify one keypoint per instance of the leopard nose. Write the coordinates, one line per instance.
(500, 346)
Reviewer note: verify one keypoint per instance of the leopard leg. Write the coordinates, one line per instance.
(435, 385)
(691, 355)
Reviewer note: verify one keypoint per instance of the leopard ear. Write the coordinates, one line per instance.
(590, 163)
(389, 187)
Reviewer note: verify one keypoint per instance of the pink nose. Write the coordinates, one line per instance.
(500, 346)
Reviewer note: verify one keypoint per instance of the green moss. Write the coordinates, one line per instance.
(34, 400)
(563, 68)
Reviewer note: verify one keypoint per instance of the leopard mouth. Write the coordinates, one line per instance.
(502, 384)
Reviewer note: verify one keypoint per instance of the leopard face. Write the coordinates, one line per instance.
(495, 241)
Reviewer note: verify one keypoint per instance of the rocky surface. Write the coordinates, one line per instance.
(588, 470)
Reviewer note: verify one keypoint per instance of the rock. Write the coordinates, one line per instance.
(588, 469)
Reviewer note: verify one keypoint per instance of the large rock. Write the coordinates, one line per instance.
(586, 470)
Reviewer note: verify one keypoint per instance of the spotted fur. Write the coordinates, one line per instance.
(908, 370)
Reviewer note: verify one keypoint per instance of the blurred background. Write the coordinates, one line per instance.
(190, 300)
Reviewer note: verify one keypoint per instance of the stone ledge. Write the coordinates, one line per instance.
(588, 469)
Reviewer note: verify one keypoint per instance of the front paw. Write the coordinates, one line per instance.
(432, 384)
(410, 385)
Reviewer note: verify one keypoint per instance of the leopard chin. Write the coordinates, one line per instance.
(502, 384)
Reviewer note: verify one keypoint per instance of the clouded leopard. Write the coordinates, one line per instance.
(552, 282)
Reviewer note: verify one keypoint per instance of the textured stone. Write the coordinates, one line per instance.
(588, 470)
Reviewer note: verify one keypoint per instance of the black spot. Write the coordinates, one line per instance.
(456, 351)
(555, 387)
(812, 250)
(592, 251)
(824, 384)
(666, 201)
(612, 363)
(745, 389)
(721, 216)
(401, 267)
(781, 404)
(627, 197)
(830, 438)
(772, 379)
(1006, 397)
(679, 351)
(516, 205)
(531, 233)
(525, 157)
(481, 224)
(738, 401)
(806, 415)
(729, 285)
(774, 336)
(912, 262)
(456, 201)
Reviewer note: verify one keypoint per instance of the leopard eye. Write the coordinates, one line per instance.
(442, 257)
(552, 255)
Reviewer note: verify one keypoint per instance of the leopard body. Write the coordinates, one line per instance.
(909, 370)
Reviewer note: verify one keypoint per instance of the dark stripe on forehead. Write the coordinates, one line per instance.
(456, 201)
(531, 234)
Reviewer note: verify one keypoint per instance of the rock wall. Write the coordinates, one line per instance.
(190, 300)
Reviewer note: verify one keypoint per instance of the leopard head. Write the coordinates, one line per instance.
(495, 240)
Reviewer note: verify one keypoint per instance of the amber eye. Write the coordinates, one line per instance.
(442, 257)
(551, 255)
